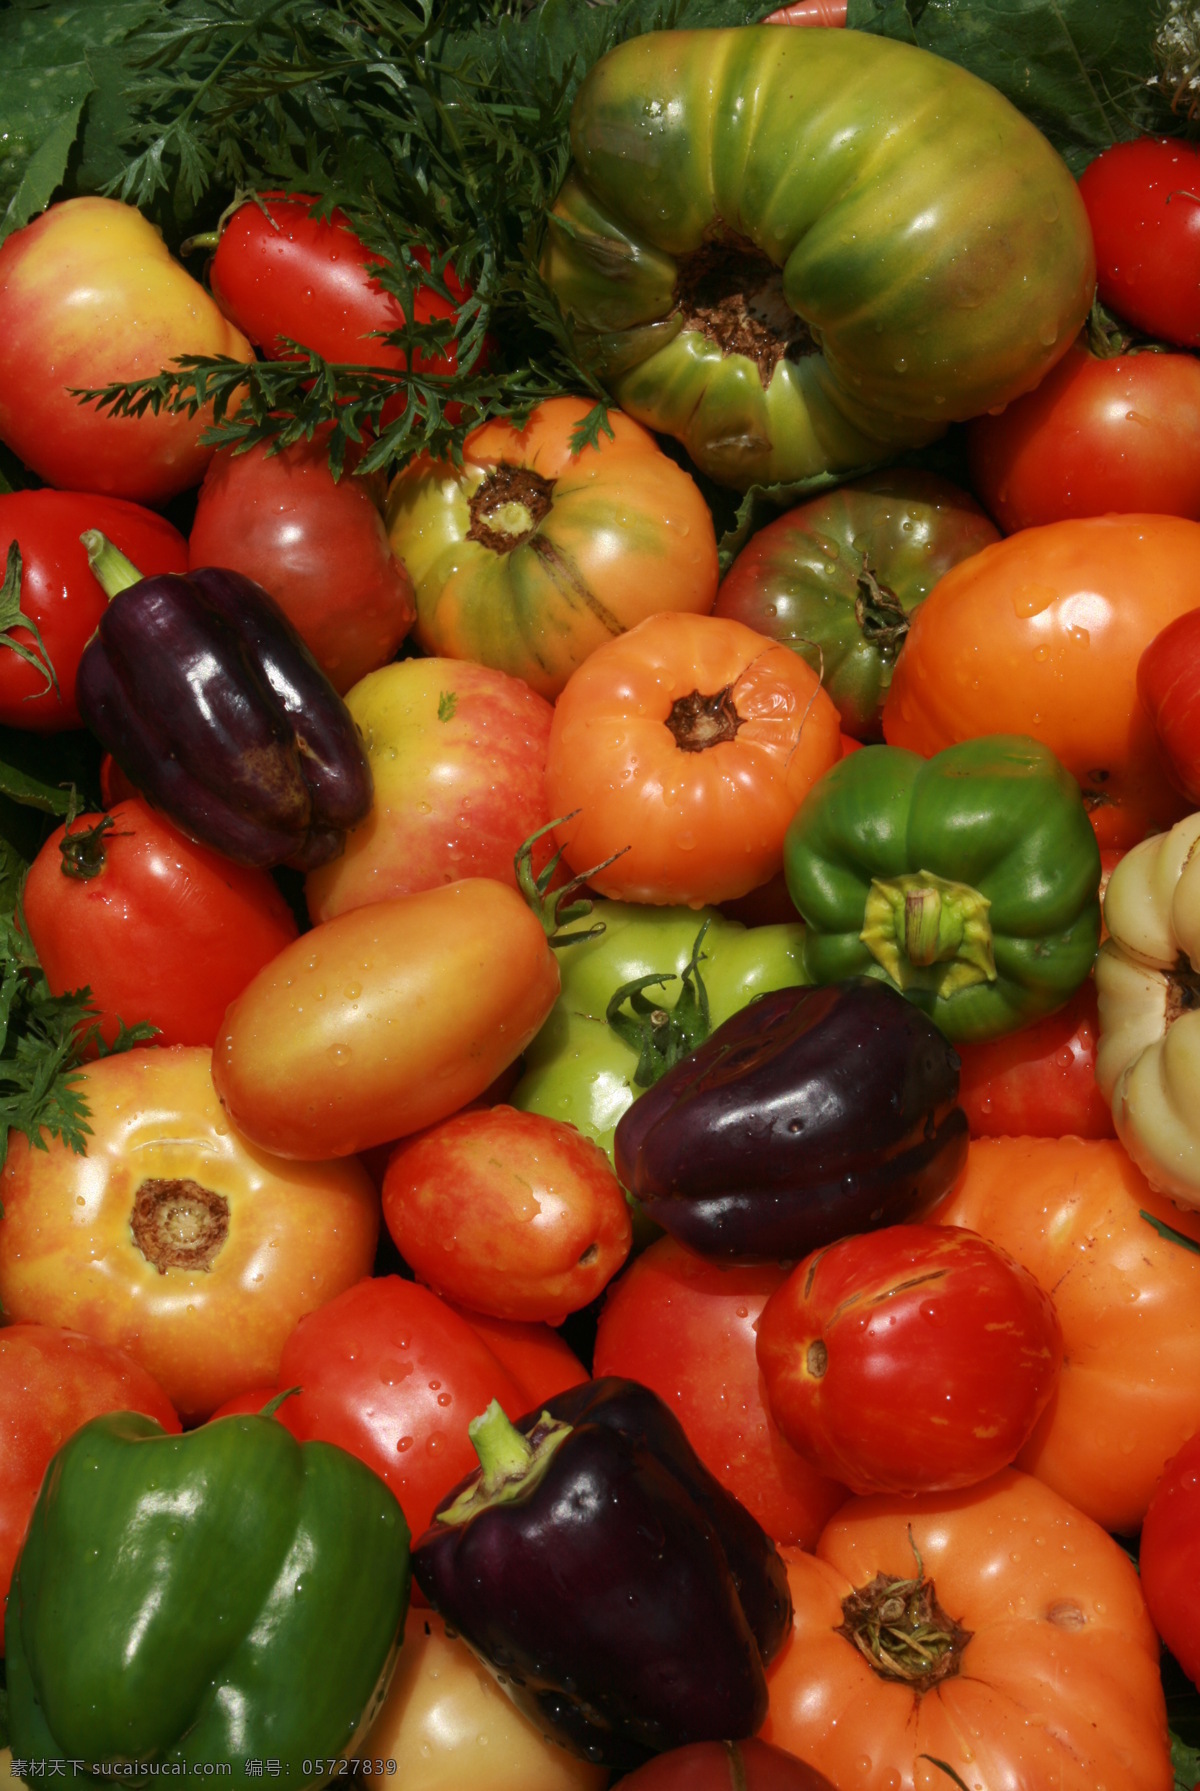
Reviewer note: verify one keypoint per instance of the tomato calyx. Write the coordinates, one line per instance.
(554, 908)
(178, 1224)
(84, 852)
(732, 294)
(899, 1626)
(508, 506)
(663, 1036)
(881, 617)
(1107, 336)
(697, 721)
(1183, 991)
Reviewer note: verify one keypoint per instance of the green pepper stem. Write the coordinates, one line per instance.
(113, 571)
(922, 925)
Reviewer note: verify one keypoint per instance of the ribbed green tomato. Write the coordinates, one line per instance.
(799, 251)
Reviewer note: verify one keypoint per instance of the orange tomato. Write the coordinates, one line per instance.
(1081, 1218)
(687, 745)
(1041, 634)
(529, 555)
(1047, 1664)
(385, 1020)
(173, 1239)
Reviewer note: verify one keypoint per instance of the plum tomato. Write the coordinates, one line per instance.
(1143, 201)
(913, 1359)
(51, 1382)
(458, 755)
(1169, 1557)
(1038, 1082)
(1099, 434)
(316, 543)
(1168, 682)
(685, 1327)
(385, 1020)
(61, 595)
(686, 746)
(159, 928)
(173, 1239)
(512, 1213)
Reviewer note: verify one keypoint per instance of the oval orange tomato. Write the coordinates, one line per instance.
(1087, 1225)
(173, 1238)
(687, 746)
(1036, 1664)
(1041, 634)
(385, 1020)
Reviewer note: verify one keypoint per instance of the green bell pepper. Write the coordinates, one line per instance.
(225, 1597)
(969, 880)
(594, 1055)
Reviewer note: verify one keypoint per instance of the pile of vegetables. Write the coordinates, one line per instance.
(599, 674)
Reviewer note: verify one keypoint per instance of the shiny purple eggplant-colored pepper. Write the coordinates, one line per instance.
(213, 706)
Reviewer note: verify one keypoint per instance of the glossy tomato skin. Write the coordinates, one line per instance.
(685, 1327)
(1080, 1216)
(509, 1212)
(51, 1382)
(458, 755)
(1143, 205)
(726, 1766)
(174, 1239)
(1097, 435)
(385, 1020)
(60, 592)
(279, 272)
(1168, 682)
(1169, 1557)
(159, 928)
(317, 544)
(686, 745)
(1039, 1082)
(89, 296)
(1048, 1601)
(1041, 634)
(913, 1359)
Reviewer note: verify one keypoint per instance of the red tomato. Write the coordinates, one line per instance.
(51, 1382)
(316, 543)
(1168, 682)
(727, 1766)
(159, 928)
(1169, 1557)
(512, 1213)
(1095, 436)
(1143, 200)
(685, 1327)
(281, 273)
(61, 594)
(538, 1359)
(390, 1373)
(1039, 1082)
(913, 1359)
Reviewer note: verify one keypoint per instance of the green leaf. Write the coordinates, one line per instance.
(763, 503)
(1169, 1232)
(447, 704)
(11, 616)
(1186, 1761)
(1084, 72)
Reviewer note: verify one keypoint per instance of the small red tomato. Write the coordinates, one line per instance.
(280, 273)
(316, 543)
(1169, 1557)
(1039, 1082)
(1143, 201)
(1097, 435)
(51, 1382)
(1168, 683)
(511, 1213)
(727, 1766)
(61, 594)
(913, 1359)
(159, 928)
(685, 1327)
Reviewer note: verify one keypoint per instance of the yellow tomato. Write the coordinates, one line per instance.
(173, 1238)
(89, 295)
(387, 1019)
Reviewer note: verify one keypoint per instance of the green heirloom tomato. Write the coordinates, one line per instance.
(799, 251)
(969, 880)
(838, 578)
(584, 1067)
(212, 1599)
